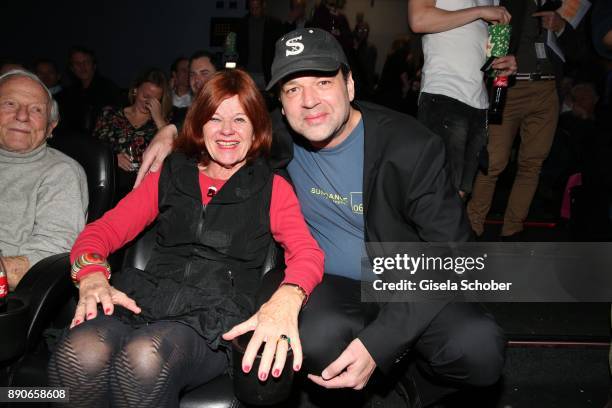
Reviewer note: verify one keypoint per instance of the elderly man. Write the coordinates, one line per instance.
(43, 199)
(363, 174)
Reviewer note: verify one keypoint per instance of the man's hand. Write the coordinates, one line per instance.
(16, 268)
(505, 65)
(352, 369)
(495, 14)
(551, 20)
(156, 152)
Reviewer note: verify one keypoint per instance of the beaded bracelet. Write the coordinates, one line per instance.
(88, 260)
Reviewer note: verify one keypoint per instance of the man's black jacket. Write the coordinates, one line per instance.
(407, 197)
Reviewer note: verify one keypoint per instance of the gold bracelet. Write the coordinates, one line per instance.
(299, 289)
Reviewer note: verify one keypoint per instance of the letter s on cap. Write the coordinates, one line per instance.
(294, 46)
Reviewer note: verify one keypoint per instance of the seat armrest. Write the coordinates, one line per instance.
(46, 287)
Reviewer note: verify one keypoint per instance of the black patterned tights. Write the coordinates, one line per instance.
(105, 362)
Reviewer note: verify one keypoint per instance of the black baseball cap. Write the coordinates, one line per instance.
(306, 49)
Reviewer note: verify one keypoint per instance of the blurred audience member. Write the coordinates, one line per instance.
(255, 42)
(129, 130)
(601, 23)
(453, 101)
(567, 154)
(47, 71)
(329, 17)
(84, 99)
(179, 82)
(366, 55)
(43, 200)
(565, 88)
(532, 107)
(297, 15)
(181, 92)
(399, 82)
(202, 65)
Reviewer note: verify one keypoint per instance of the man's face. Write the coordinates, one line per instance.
(24, 115)
(181, 75)
(82, 66)
(200, 71)
(256, 7)
(318, 107)
(48, 74)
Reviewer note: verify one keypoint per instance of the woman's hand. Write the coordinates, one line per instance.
(155, 109)
(93, 289)
(275, 318)
(125, 162)
(156, 152)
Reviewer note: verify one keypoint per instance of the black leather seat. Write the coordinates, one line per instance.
(49, 290)
(46, 292)
(98, 161)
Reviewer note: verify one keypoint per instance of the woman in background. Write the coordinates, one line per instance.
(129, 130)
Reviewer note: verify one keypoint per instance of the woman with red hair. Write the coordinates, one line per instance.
(218, 206)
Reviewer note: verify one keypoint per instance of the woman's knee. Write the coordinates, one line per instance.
(86, 349)
(141, 357)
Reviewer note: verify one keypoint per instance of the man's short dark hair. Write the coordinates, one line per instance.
(205, 54)
(82, 50)
(174, 65)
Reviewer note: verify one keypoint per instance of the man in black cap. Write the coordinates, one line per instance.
(364, 173)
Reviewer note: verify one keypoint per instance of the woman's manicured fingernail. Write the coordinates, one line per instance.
(77, 322)
(276, 372)
(107, 310)
(263, 376)
(89, 315)
(246, 368)
(297, 367)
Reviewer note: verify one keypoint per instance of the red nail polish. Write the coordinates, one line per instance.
(297, 367)
(246, 368)
(77, 322)
(263, 376)
(89, 315)
(276, 372)
(107, 310)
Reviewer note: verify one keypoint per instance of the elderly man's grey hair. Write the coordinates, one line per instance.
(53, 113)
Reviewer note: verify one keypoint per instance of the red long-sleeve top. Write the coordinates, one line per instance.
(303, 257)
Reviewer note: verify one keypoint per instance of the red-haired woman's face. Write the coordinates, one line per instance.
(228, 135)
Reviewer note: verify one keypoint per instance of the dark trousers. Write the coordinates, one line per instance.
(463, 346)
(464, 131)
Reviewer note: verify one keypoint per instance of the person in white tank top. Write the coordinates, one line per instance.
(453, 99)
